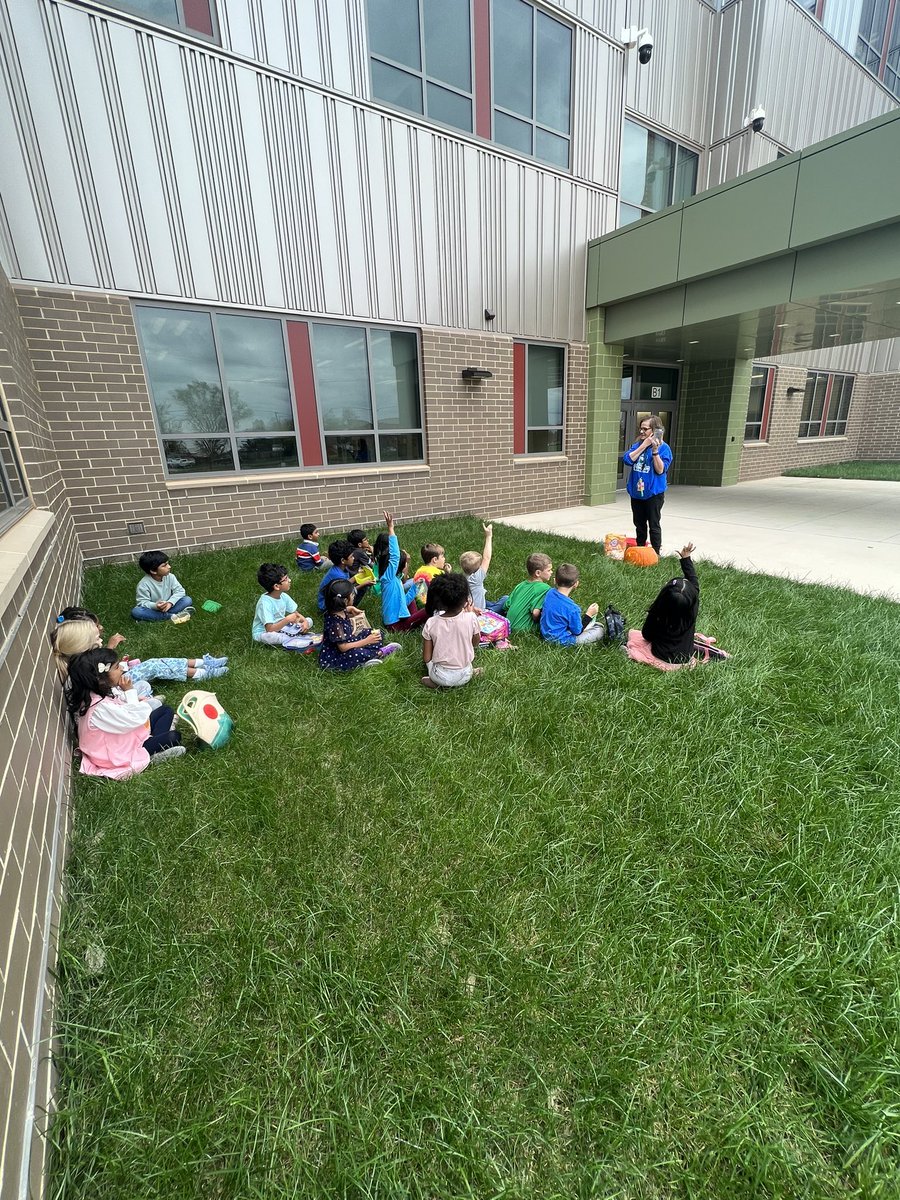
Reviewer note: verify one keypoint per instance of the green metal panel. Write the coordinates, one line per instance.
(849, 183)
(638, 258)
(848, 263)
(758, 286)
(662, 310)
(592, 285)
(737, 224)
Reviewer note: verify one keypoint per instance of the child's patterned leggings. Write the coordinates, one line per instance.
(159, 668)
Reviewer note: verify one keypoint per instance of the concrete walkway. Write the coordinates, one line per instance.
(836, 531)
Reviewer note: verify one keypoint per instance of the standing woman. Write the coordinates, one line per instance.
(649, 459)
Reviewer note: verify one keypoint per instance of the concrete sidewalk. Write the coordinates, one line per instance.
(841, 532)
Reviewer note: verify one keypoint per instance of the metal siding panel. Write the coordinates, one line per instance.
(25, 251)
(249, 86)
(380, 202)
(310, 56)
(236, 26)
(671, 90)
(597, 115)
(324, 186)
(477, 247)
(352, 216)
(426, 228)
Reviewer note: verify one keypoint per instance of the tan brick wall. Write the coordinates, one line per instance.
(784, 449)
(35, 758)
(95, 395)
(879, 427)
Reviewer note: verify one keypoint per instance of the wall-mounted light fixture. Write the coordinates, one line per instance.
(489, 314)
(473, 374)
(792, 391)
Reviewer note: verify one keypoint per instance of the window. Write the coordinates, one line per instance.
(878, 41)
(194, 15)
(367, 384)
(14, 498)
(539, 374)
(655, 173)
(759, 407)
(826, 405)
(421, 57)
(221, 385)
(532, 81)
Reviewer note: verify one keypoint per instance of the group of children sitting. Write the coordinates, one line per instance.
(122, 726)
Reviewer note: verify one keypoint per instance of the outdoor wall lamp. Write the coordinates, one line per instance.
(489, 314)
(792, 391)
(475, 373)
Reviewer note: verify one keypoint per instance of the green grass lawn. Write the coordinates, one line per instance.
(579, 929)
(850, 470)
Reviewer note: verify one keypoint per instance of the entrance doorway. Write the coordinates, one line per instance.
(647, 391)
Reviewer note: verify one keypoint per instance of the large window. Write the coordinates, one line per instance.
(14, 499)
(539, 374)
(826, 405)
(532, 81)
(655, 173)
(421, 57)
(197, 16)
(759, 407)
(367, 384)
(222, 392)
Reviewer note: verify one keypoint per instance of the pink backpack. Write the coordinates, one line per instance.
(493, 628)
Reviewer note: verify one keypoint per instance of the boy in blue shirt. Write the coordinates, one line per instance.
(341, 555)
(561, 619)
(276, 619)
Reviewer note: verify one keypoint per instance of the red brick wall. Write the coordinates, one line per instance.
(95, 395)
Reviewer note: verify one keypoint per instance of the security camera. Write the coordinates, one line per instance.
(757, 119)
(644, 46)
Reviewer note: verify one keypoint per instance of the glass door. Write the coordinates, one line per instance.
(647, 391)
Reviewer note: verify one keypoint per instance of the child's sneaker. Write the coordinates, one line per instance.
(169, 752)
(211, 662)
(390, 648)
(181, 618)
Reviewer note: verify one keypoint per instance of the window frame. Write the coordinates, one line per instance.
(294, 368)
(129, 8)
(521, 427)
(17, 508)
(533, 121)
(422, 74)
(642, 209)
(818, 428)
(765, 416)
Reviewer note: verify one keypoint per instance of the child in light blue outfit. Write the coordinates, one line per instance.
(276, 621)
(396, 595)
(160, 597)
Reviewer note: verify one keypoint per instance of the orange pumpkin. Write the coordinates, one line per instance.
(641, 556)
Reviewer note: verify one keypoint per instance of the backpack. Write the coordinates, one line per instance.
(207, 718)
(615, 626)
(493, 628)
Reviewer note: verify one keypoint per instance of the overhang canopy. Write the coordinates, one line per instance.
(800, 254)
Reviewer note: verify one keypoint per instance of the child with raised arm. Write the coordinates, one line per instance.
(160, 597)
(561, 618)
(672, 618)
(276, 620)
(450, 637)
(475, 567)
(523, 609)
(395, 614)
(119, 734)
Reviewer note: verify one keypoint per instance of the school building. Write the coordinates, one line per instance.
(267, 262)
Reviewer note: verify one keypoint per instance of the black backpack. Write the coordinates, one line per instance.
(615, 626)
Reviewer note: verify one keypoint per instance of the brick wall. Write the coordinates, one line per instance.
(879, 425)
(712, 410)
(95, 394)
(784, 449)
(40, 571)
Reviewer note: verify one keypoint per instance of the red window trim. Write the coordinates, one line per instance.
(519, 351)
(304, 393)
(767, 405)
(198, 16)
(482, 66)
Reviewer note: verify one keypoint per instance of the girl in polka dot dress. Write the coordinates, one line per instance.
(343, 649)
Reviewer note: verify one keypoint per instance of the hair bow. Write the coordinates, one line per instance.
(103, 667)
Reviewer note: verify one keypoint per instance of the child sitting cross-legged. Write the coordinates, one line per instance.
(450, 637)
(348, 642)
(308, 556)
(341, 555)
(475, 567)
(523, 608)
(276, 620)
(119, 734)
(392, 561)
(159, 595)
(561, 618)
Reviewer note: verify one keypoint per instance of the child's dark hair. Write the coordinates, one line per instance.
(338, 595)
(431, 551)
(74, 613)
(356, 537)
(152, 560)
(448, 593)
(674, 610)
(567, 575)
(86, 679)
(269, 574)
(307, 529)
(340, 550)
(404, 562)
(381, 552)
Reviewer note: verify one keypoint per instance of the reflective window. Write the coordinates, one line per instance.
(826, 405)
(545, 374)
(14, 498)
(213, 376)
(421, 57)
(198, 16)
(656, 172)
(758, 405)
(367, 384)
(532, 81)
